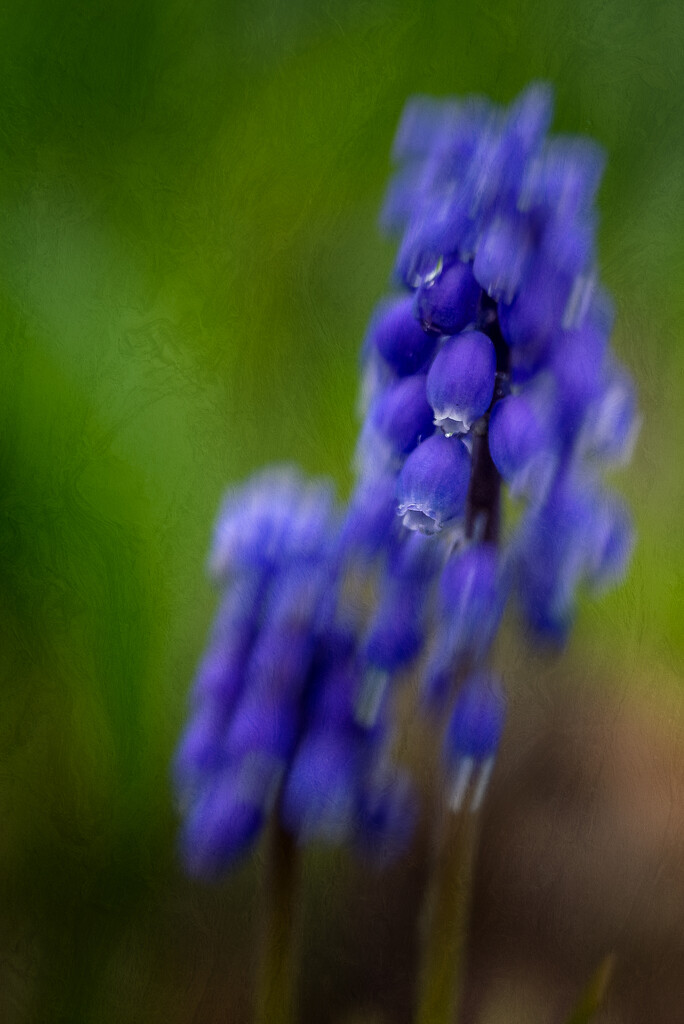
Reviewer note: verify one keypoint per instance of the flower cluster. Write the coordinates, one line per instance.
(490, 365)
(502, 331)
(498, 250)
(274, 702)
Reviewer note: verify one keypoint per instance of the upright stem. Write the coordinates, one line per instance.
(446, 918)
(484, 494)
(277, 981)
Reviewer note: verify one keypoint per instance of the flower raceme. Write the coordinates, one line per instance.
(489, 367)
(273, 718)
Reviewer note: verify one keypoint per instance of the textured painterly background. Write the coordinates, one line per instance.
(188, 256)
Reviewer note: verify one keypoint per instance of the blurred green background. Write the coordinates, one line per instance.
(189, 254)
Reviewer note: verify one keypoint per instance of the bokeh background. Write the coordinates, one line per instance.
(189, 254)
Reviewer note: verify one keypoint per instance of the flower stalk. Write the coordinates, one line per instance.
(276, 989)
(446, 916)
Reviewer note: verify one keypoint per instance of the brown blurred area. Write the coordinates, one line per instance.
(581, 854)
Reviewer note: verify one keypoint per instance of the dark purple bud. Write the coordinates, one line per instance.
(293, 600)
(421, 254)
(569, 246)
(564, 179)
(433, 484)
(522, 443)
(331, 697)
(399, 337)
(415, 560)
(397, 629)
(477, 720)
(220, 678)
(577, 362)
(220, 828)
(554, 552)
(402, 416)
(280, 662)
(320, 792)
(200, 751)
(222, 668)
(472, 594)
(371, 517)
(263, 725)
(536, 314)
(460, 384)
(448, 303)
(503, 253)
(468, 591)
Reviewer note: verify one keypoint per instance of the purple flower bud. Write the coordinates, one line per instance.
(563, 180)
(200, 752)
(568, 245)
(522, 442)
(331, 698)
(433, 484)
(402, 415)
(320, 792)
(294, 597)
(528, 119)
(396, 633)
(275, 516)
(536, 314)
(448, 303)
(577, 535)
(222, 668)
(280, 661)
(387, 816)
(577, 363)
(477, 720)
(472, 594)
(220, 678)
(399, 337)
(414, 561)
(611, 425)
(220, 828)
(424, 125)
(503, 253)
(371, 517)
(470, 598)
(460, 384)
(421, 254)
(612, 543)
(263, 725)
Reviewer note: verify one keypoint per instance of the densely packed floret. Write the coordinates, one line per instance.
(490, 366)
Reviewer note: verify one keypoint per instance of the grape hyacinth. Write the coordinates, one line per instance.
(488, 372)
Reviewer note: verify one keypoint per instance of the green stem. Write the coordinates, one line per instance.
(446, 921)
(594, 994)
(276, 990)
